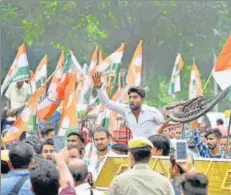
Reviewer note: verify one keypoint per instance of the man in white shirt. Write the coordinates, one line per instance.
(141, 119)
(17, 95)
(101, 139)
(79, 171)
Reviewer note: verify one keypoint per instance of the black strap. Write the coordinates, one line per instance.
(19, 184)
(91, 191)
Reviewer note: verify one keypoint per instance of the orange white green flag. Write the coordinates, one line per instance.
(87, 85)
(195, 85)
(69, 118)
(19, 70)
(222, 69)
(56, 94)
(175, 85)
(135, 68)
(113, 58)
(41, 72)
(58, 73)
(20, 125)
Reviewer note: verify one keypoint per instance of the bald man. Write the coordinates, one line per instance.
(79, 171)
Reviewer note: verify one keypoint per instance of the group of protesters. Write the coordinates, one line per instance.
(35, 167)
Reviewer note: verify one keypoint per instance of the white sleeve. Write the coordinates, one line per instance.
(111, 105)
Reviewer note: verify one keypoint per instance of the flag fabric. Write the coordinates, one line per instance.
(19, 70)
(100, 57)
(22, 121)
(195, 86)
(69, 119)
(114, 58)
(135, 68)
(222, 69)
(58, 73)
(32, 81)
(41, 72)
(175, 85)
(56, 94)
(87, 84)
(76, 64)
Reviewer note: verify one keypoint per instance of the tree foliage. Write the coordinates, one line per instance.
(193, 28)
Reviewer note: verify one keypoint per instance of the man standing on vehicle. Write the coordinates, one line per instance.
(141, 119)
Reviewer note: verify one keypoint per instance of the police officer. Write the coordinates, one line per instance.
(140, 179)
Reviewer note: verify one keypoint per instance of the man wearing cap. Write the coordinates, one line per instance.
(140, 179)
(141, 119)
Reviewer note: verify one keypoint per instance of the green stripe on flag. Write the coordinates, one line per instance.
(21, 74)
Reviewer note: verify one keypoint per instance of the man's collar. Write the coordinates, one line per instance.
(20, 172)
(141, 166)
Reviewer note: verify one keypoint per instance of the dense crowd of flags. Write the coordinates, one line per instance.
(70, 87)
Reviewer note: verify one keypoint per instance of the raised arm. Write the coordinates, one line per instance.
(114, 106)
(201, 147)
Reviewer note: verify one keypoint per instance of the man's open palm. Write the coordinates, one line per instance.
(97, 79)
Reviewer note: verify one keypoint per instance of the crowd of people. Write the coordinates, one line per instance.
(35, 166)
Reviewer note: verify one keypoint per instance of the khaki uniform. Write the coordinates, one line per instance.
(140, 180)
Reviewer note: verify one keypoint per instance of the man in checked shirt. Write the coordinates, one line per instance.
(212, 148)
(141, 119)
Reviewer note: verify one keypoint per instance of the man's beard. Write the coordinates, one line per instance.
(134, 107)
(101, 149)
(211, 146)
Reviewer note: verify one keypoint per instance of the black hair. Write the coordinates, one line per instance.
(44, 178)
(220, 121)
(215, 132)
(20, 155)
(137, 90)
(49, 141)
(46, 131)
(78, 135)
(120, 147)
(141, 154)
(101, 129)
(160, 141)
(79, 173)
(35, 143)
(194, 184)
(202, 131)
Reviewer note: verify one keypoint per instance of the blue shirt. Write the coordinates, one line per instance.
(203, 149)
(8, 183)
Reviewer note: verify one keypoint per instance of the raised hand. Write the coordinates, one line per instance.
(97, 79)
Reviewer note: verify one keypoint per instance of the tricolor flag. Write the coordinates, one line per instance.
(175, 85)
(22, 121)
(114, 58)
(69, 119)
(222, 69)
(135, 68)
(87, 84)
(58, 73)
(41, 72)
(195, 86)
(19, 70)
(56, 94)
